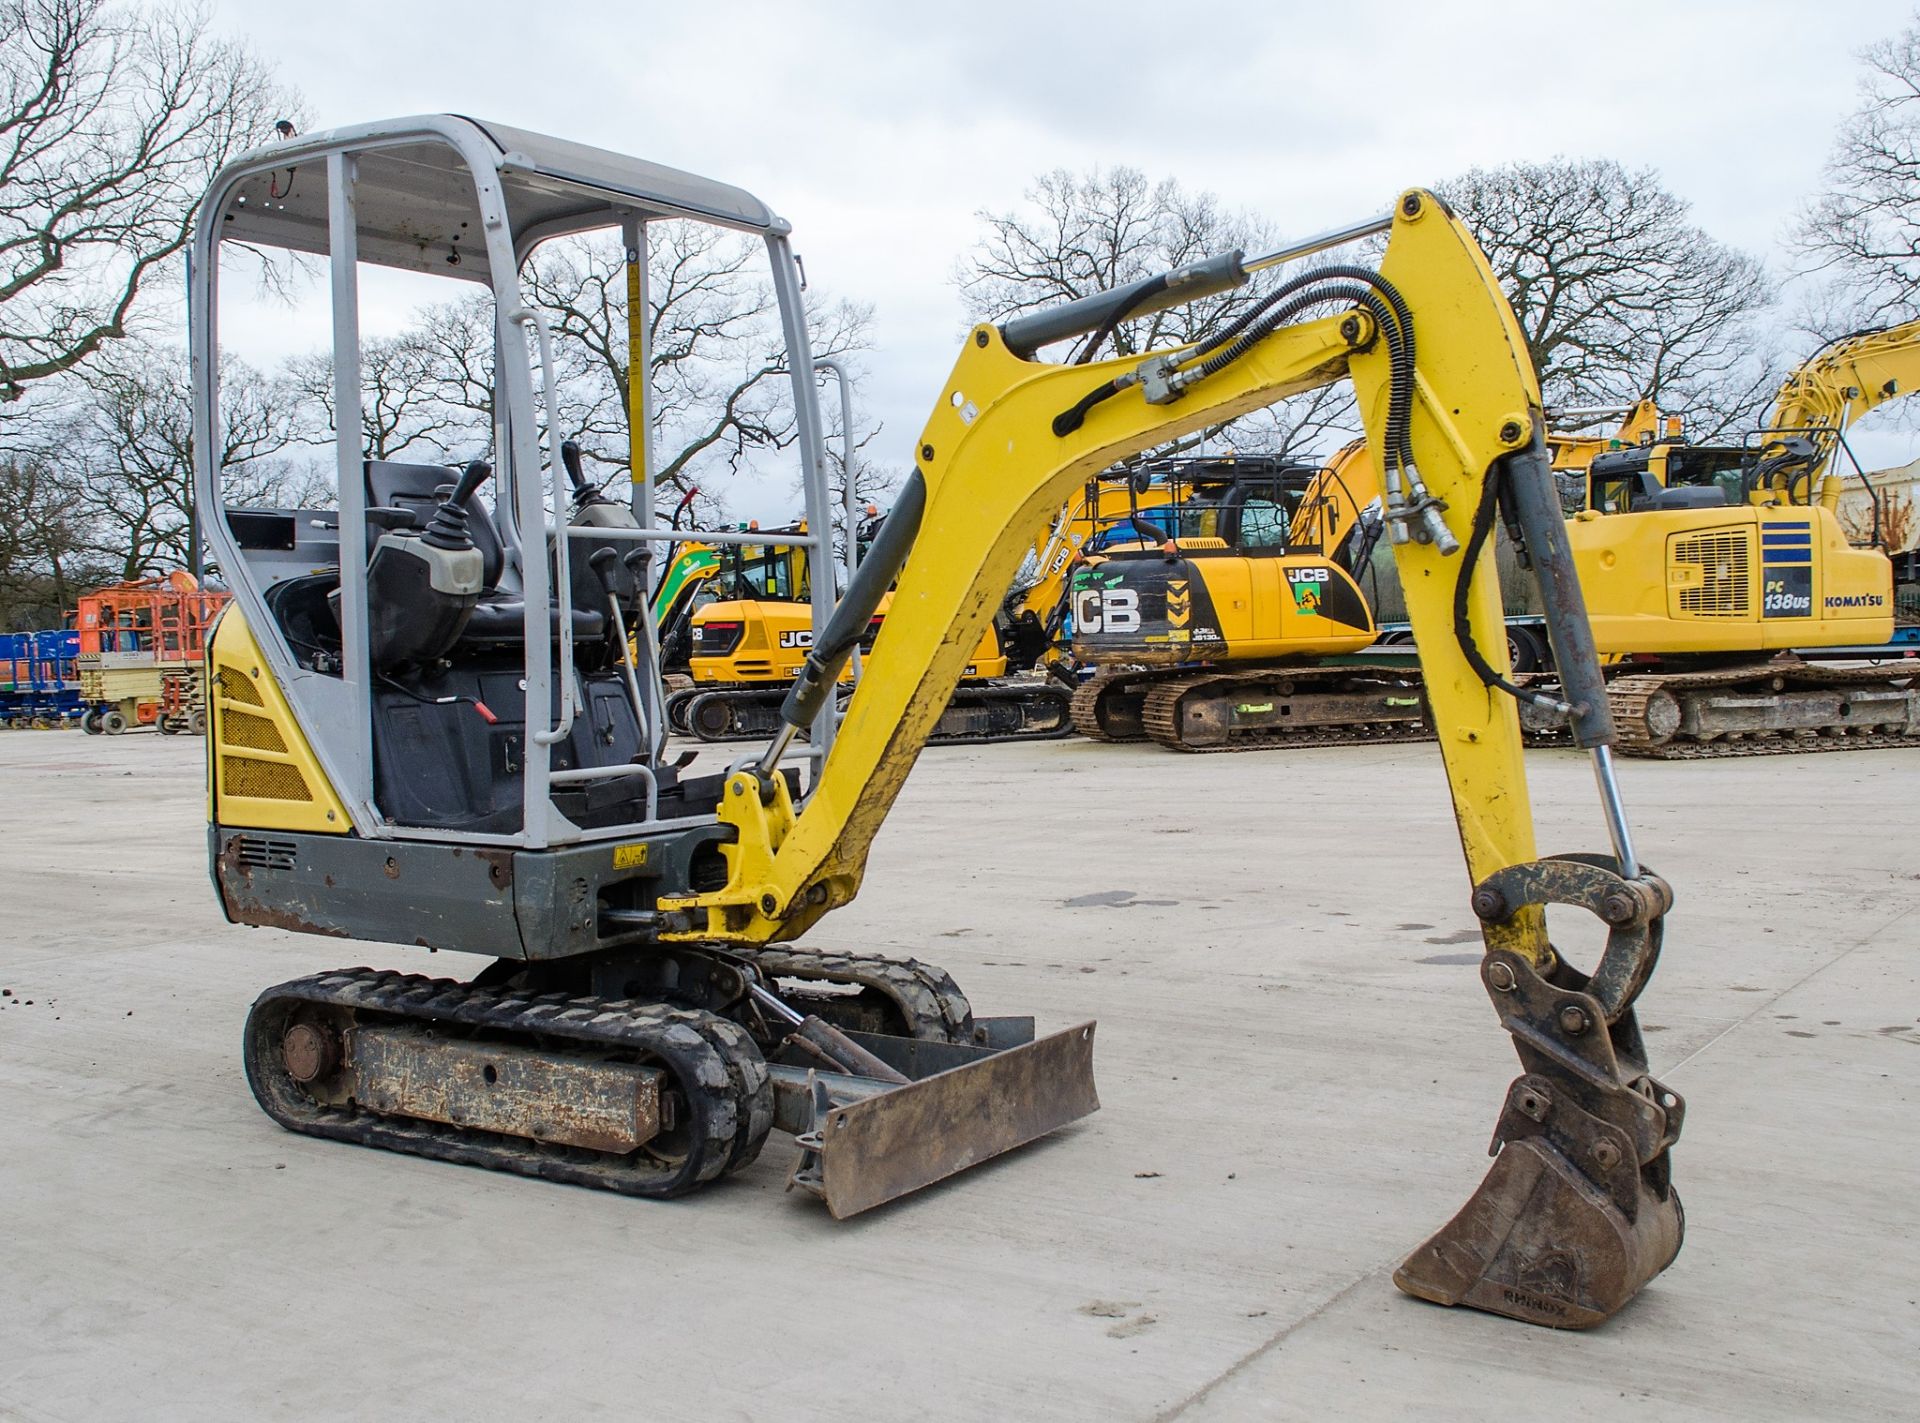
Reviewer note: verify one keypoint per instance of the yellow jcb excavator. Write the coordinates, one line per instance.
(427, 740)
(748, 642)
(1223, 615)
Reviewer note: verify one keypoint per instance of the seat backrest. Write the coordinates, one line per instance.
(415, 488)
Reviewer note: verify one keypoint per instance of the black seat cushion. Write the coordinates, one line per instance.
(502, 620)
(305, 609)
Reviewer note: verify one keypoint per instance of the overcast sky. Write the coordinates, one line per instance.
(879, 129)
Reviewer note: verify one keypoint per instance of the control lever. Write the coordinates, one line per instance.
(604, 561)
(570, 457)
(639, 566)
(422, 587)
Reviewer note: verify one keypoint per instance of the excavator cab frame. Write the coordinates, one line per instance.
(590, 1051)
(470, 202)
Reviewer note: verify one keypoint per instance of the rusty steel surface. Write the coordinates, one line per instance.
(516, 1091)
(893, 1143)
(310, 1051)
(1537, 1242)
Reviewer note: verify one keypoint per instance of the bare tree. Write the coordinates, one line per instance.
(1619, 295)
(721, 388)
(1078, 234)
(112, 122)
(1863, 232)
(425, 394)
(721, 385)
(130, 444)
(45, 560)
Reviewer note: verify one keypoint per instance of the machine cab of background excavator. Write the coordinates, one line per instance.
(446, 655)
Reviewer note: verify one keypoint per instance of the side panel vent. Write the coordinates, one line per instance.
(259, 854)
(1724, 558)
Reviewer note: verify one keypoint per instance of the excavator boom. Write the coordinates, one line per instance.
(1578, 1211)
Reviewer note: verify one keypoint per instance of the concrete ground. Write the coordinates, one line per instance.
(1299, 1068)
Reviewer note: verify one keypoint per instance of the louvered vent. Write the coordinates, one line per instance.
(261, 854)
(254, 758)
(256, 733)
(1725, 589)
(262, 780)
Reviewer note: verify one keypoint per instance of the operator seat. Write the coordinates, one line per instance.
(498, 619)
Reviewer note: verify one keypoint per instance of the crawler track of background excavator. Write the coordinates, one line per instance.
(1247, 710)
(1020, 711)
(1773, 708)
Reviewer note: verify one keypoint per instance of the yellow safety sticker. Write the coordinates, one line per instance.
(630, 857)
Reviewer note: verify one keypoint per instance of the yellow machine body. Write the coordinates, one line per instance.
(261, 771)
(1728, 580)
(743, 641)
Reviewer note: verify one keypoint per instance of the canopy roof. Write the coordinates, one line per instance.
(414, 192)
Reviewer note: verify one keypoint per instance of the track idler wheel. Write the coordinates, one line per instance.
(1578, 1211)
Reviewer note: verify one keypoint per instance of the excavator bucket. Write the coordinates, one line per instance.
(1578, 1211)
(866, 1141)
(1540, 1242)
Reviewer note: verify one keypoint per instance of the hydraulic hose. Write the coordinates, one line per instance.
(878, 570)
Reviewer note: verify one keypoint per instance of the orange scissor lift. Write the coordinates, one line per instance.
(142, 659)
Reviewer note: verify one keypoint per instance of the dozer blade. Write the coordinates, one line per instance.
(1539, 1243)
(864, 1152)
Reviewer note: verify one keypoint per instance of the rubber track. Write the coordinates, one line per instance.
(927, 998)
(736, 700)
(1628, 697)
(676, 707)
(1030, 698)
(1089, 696)
(1162, 717)
(714, 1063)
(1049, 703)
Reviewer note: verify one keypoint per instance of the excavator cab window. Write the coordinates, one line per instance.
(1709, 467)
(1263, 524)
(766, 575)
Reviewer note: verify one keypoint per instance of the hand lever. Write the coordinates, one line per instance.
(570, 457)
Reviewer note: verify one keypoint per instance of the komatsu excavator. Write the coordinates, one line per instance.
(1718, 575)
(420, 736)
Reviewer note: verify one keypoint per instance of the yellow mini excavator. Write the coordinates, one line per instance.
(751, 634)
(422, 736)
